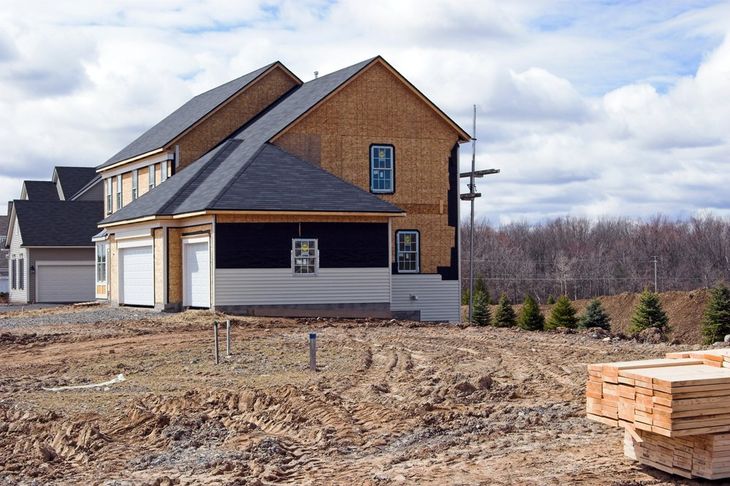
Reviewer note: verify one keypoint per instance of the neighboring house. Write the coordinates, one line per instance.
(338, 196)
(4, 282)
(51, 256)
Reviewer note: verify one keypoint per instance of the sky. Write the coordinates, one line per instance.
(588, 108)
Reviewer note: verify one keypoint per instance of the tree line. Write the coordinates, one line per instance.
(584, 258)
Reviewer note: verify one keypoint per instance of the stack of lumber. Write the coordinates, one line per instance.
(706, 456)
(676, 411)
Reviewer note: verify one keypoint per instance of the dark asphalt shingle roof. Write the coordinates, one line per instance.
(183, 118)
(72, 179)
(41, 190)
(95, 180)
(208, 182)
(58, 223)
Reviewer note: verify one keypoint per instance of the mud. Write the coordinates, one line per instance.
(391, 403)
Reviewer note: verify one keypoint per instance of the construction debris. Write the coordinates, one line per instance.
(117, 379)
(675, 410)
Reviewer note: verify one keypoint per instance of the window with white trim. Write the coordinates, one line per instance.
(305, 256)
(151, 177)
(109, 199)
(119, 192)
(408, 251)
(135, 183)
(163, 171)
(101, 254)
(13, 274)
(21, 273)
(382, 169)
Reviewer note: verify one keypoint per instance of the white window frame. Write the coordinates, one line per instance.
(135, 184)
(109, 196)
(102, 252)
(152, 180)
(163, 170)
(373, 169)
(120, 200)
(294, 257)
(416, 253)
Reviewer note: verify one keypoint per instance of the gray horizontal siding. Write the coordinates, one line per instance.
(277, 286)
(437, 299)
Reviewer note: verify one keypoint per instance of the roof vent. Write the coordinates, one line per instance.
(316, 74)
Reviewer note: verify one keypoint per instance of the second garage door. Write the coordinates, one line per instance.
(65, 282)
(197, 273)
(137, 276)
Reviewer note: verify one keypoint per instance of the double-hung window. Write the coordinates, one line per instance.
(119, 192)
(21, 273)
(135, 183)
(163, 171)
(109, 199)
(408, 251)
(101, 250)
(13, 274)
(305, 256)
(382, 169)
(151, 177)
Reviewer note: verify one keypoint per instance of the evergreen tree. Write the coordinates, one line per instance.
(649, 313)
(716, 323)
(550, 299)
(531, 319)
(481, 315)
(562, 314)
(595, 316)
(505, 314)
(465, 296)
(481, 287)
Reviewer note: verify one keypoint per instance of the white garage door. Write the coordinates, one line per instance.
(137, 275)
(197, 274)
(65, 282)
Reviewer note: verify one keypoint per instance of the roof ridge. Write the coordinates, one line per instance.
(262, 69)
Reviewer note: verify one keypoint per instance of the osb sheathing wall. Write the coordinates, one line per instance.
(230, 117)
(158, 240)
(377, 108)
(174, 260)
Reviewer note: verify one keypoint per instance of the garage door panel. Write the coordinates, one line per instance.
(65, 283)
(137, 276)
(197, 275)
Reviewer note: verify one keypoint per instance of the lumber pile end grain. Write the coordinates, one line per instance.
(675, 411)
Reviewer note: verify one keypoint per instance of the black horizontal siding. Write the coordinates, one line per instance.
(268, 245)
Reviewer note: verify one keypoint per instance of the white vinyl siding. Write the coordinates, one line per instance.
(278, 286)
(437, 299)
(16, 252)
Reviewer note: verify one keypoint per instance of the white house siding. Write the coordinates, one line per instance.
(436, 299)
(278, 286)
(16, 295)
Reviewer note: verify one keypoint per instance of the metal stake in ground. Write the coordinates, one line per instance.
(215, 341)
(312, 351)
(228, 339)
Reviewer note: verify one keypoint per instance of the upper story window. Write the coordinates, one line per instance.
(135, 183)
(305, 256)
(151, 177)
(408, 251)
(108, 188)
(119, 192)
(382, 169)
(163, 171)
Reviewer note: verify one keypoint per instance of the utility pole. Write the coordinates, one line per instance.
(471, 196)
(654, 260)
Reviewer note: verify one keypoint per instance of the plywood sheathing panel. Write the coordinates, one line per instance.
(174, 261)
(159, 255)
(230, 117)
(126, 188)
(377, 108)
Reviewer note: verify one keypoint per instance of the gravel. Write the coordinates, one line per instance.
(92, 315)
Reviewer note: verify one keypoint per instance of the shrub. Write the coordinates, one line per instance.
(562, 314)
(716, 323)
(531, 319)
(550, 299)
(649, 313)
(480, 314)
(505, 314)
(595, 316)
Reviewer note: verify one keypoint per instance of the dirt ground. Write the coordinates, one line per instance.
(392, 403)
